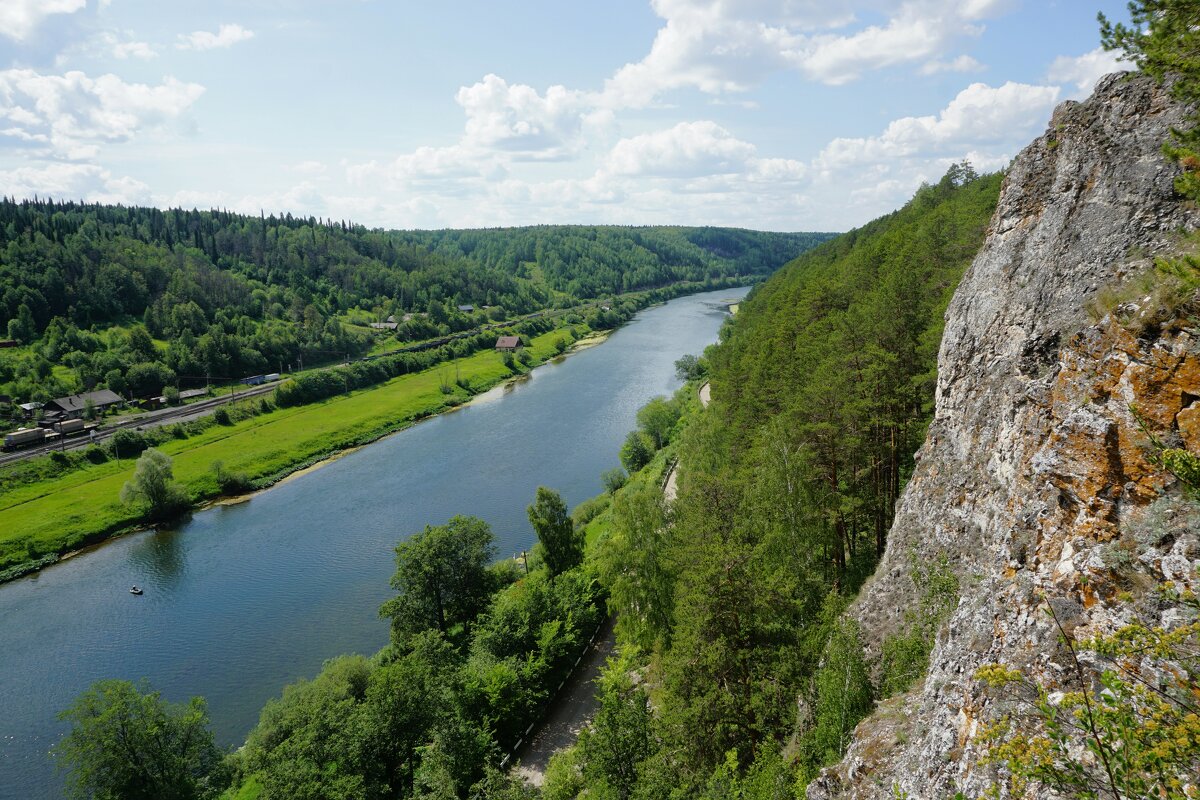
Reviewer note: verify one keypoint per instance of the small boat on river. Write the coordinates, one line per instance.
(135, 590)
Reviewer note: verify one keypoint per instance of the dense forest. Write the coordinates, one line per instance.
(822, 387)
(135, 299)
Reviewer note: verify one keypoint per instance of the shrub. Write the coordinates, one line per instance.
(637, 451)
(221, 415)
(95, 454)
(613, 479)
(230, 482)
(127, 443)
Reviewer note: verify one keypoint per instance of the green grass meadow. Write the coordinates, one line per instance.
(83, 506)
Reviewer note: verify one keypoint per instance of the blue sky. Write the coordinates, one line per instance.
(767, 114)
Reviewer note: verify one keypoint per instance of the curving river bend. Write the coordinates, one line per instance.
(245, 598)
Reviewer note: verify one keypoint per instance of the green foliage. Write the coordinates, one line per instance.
(126, 743)
(657, 419)
(153, 487)
(619, 740)
(228, 296)
(637, 451)
(442, 577)
(589, 509)
(613, 479)
(126, 443)
(1163, 40)
(636, 565)
(230, 482)
(562, 545)
(690, 368)
(429, 715)
(843, 697)
(906, 653)
(1181, 463)
(1134, 714)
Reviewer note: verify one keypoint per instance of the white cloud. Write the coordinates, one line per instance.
(73, 182)
(226, 36)
(1083, 71)
(70, 114)
(979, 115)
(19, 18)
(517, 119)
(689, 149)
(963, 63)
(143, 50)
(720, 46)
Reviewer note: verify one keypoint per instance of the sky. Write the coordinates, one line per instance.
(767, 114)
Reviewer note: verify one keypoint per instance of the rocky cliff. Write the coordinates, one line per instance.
(1034, 478)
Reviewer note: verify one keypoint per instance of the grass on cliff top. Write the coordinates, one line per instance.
(83, 506)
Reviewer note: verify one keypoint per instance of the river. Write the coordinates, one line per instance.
(245, 598)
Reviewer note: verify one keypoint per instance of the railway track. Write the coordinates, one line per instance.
(151, 419)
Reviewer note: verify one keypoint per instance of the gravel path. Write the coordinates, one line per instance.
(572, 710)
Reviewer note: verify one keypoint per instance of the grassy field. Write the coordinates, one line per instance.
(81, 507)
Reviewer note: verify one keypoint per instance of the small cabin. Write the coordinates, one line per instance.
(467, 309)
(508, 344)
(8, 343)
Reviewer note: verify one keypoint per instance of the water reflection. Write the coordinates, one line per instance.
(162, 554)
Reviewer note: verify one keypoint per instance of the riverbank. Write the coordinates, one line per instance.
(46, 521)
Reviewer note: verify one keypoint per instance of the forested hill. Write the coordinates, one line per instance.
(97, 264)
(588, 261)
(822, 387)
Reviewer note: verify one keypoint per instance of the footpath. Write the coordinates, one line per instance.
(576, 703)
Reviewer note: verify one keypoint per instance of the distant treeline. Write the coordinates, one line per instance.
(228, 295)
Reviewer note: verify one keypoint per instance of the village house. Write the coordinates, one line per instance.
(73, 406)
(508, 344)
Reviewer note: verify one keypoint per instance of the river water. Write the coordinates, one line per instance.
(245, 598)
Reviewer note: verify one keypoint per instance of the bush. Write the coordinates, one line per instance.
(588, 510)
(221, 415)
(127, 443)
(613, 479)
(95, 454)
(231, 482)
(637, 451)
(60, 458)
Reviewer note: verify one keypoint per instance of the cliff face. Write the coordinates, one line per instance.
(1033, 480)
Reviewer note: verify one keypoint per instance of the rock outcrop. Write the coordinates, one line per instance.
(1034, 479)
